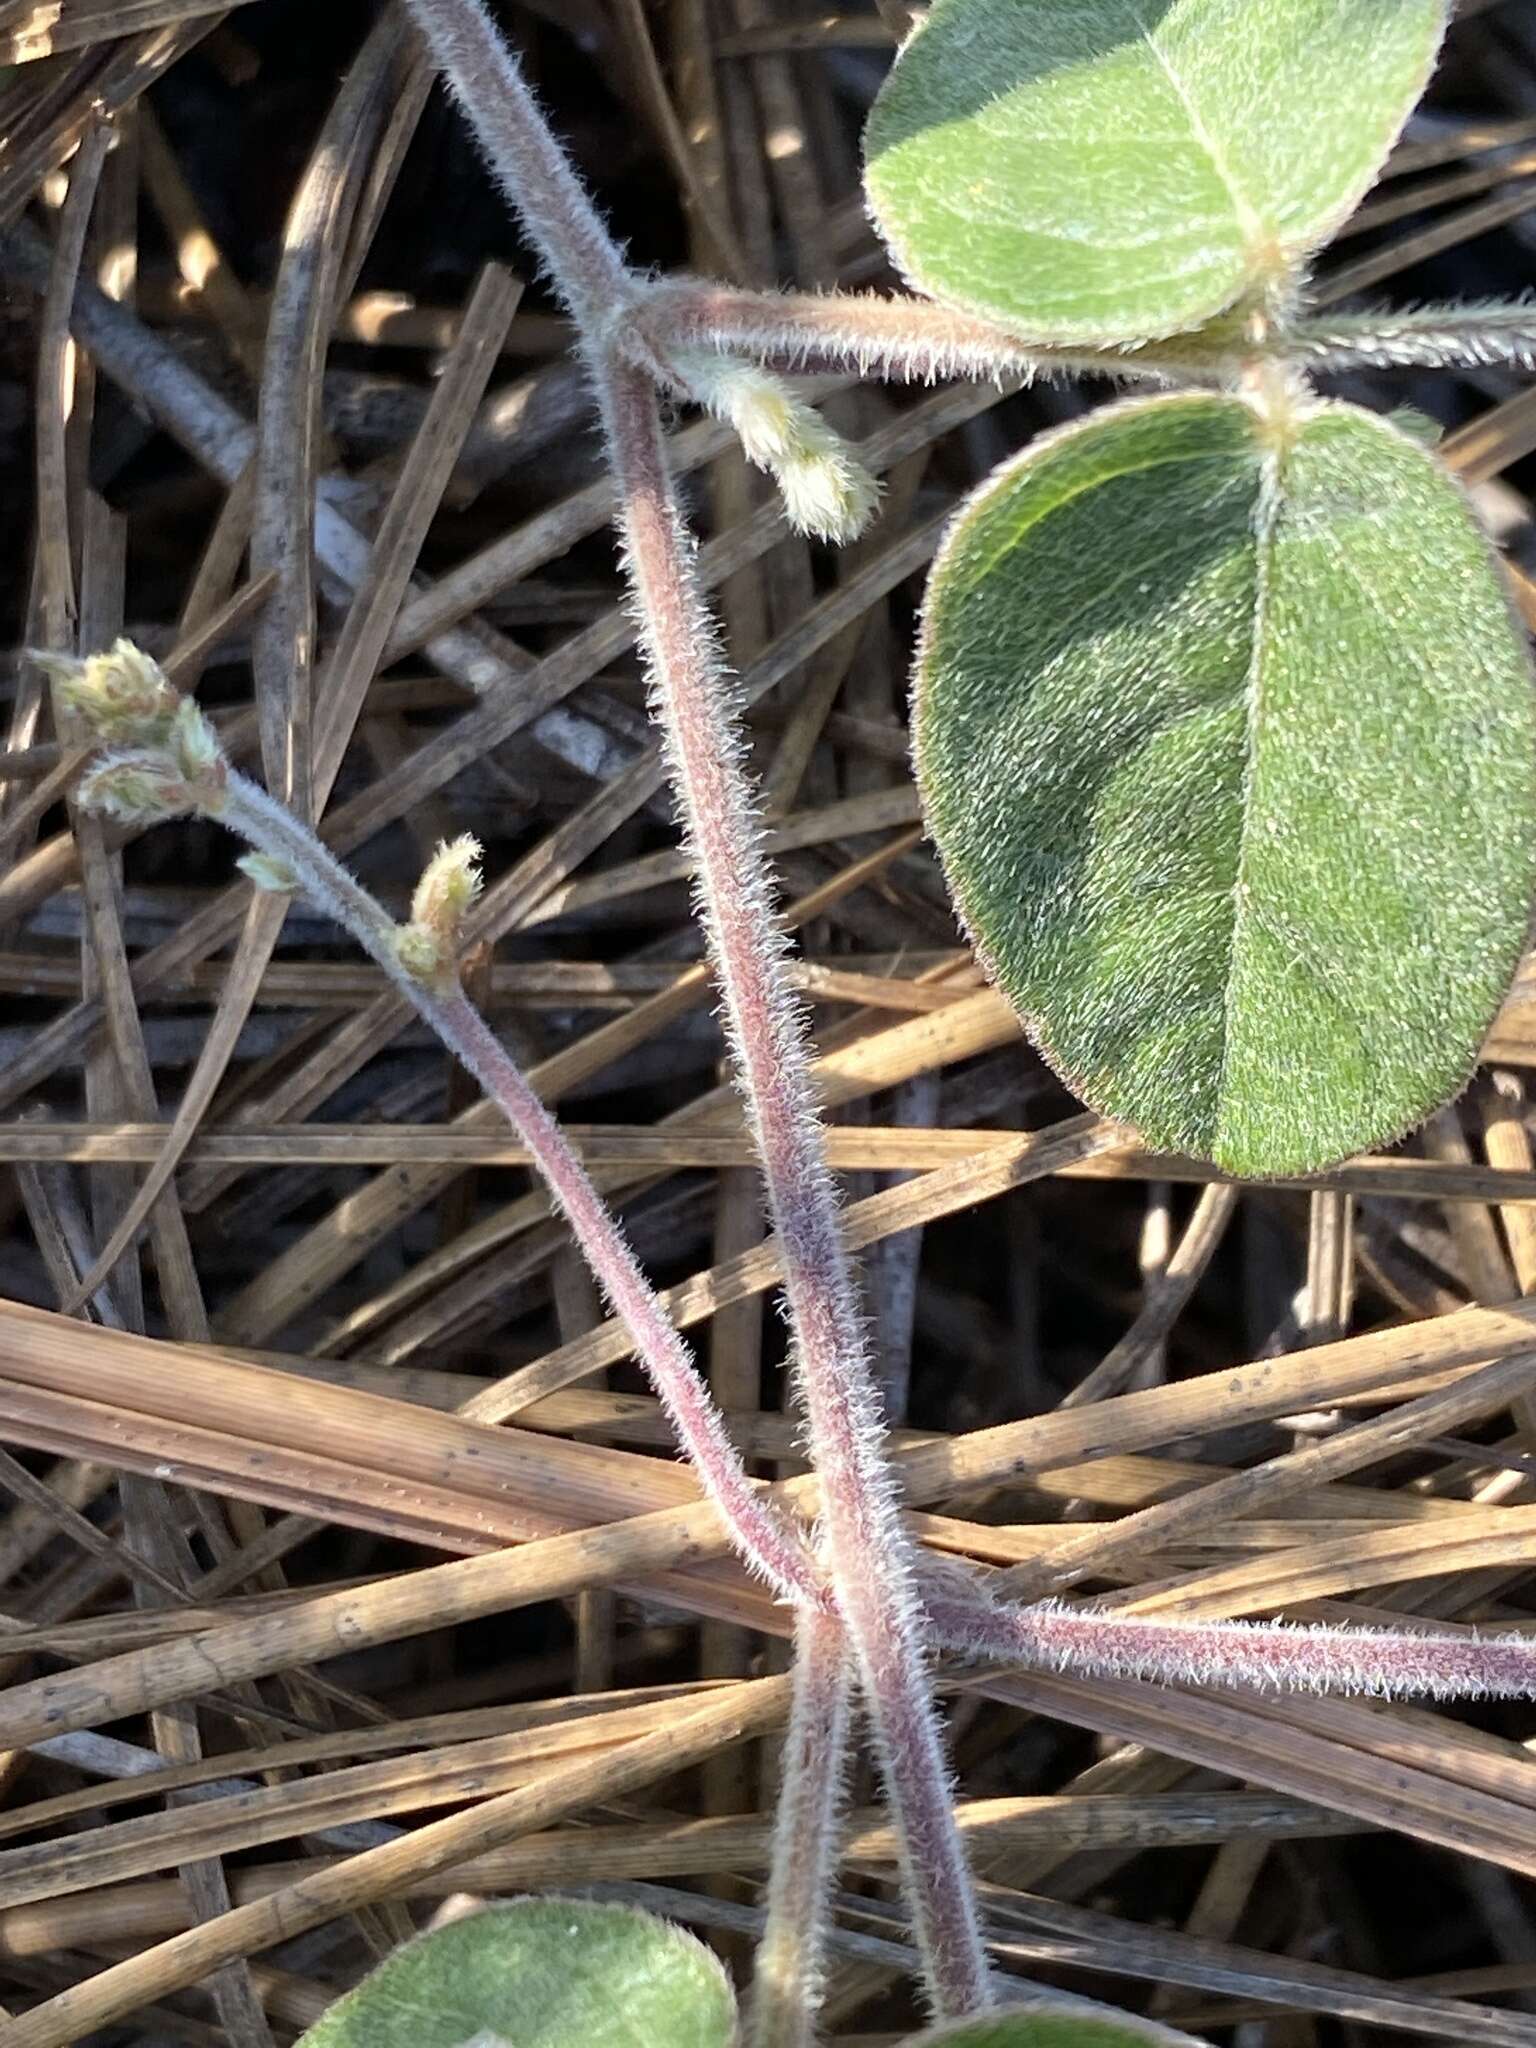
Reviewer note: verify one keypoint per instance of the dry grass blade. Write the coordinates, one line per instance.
(1168, 1958)
(43, 128)
(300, 1642)
(601, 1854)
(42, 28)
(397, 544)
(315, 1898)
(63, 1353)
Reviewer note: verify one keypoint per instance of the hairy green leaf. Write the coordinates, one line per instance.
(1111, 170)
(1032, 2027)
(539, 1973)
(1225, 733)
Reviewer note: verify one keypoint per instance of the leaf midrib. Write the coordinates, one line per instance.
(1005, 547)
(1249, 219)
(1267, 510)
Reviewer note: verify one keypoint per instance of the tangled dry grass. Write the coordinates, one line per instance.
(336, 1509)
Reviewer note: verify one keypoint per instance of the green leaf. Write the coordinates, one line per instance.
(1225, 734)
(1418, 426)
(539, 1973)
(1114, 170)
(1032, 2027)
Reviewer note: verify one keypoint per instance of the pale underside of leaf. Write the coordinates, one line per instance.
(1111, 170)
(1230, 755)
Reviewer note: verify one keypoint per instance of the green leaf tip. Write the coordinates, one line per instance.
(1112, 171)
(539, 1973)
(1229, 752)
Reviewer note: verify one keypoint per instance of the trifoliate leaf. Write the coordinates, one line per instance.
(539, 1973)
(1226, 737)
(1110, 170)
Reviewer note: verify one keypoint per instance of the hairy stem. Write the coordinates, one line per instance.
(769, 1543)
(1476, 335)
(907, 339)
(1276, 1656)
(791, 1958)
(867, 1548)
(869, 1554)
(901, 338)
(584, 263)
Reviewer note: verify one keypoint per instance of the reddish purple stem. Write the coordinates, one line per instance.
(867, 1548)
(1278, 1656)
(902, 339)
(770, 1542)
(788, 1968)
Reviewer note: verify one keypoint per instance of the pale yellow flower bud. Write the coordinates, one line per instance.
(449, 886)
(122, 694)
(827, 491)
(829, 494)
(764, 414)
(428, 947)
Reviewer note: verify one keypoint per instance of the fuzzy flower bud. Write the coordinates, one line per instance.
(827, 491)
(172, 761)
(195, 744)
(137, 789)
(428, 947)
(450, 884)
(268, 873)
(764, 413)
(121, 694)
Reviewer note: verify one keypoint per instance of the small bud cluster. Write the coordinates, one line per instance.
(122, 694)
(136, 789)
(428, 946)
(827, 491)
(167, 757)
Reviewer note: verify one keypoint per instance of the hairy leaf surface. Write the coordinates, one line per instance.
(539, 1973)
(1109, 170)
(1226, 736)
